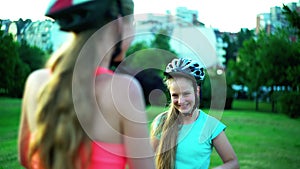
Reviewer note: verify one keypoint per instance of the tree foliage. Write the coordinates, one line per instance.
(274, 53)
(156, 54)
(249, 65)
(162, 41)
(138, 46)
(33, 56)
(9, 59)
(268, 60)
(278, 53)
(293, 17)
(147, 61)
(244, 35)
(231, 48)
(17, 62)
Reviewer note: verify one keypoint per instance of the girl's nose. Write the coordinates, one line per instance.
(180, 100)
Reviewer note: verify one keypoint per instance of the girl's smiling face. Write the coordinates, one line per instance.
(182, 94)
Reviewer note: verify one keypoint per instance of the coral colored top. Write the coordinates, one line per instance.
(107, 156)
(102, 70)
(103, 155)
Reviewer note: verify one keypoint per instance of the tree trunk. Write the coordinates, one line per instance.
(273, 100)
(256, 101)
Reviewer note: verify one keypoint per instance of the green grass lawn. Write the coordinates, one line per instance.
(9, 122)
(262, 140)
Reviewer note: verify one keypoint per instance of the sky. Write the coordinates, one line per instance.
(225, 15)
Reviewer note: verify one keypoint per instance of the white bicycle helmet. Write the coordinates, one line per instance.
(185, 66)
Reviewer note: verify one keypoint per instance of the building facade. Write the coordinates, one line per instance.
(269, 22)
(188, 36)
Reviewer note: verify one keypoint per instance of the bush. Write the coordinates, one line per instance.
(288, 103)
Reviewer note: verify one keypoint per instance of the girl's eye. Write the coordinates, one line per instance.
(186, 94)
(174, 95)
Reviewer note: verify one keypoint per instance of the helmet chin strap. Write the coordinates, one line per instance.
(190, 114)
(187, 114)
(116, 52)
(118, 47)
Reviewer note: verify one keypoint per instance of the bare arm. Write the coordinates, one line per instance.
(135, 125)
(34, 82)
(24, 131)
(226, 152)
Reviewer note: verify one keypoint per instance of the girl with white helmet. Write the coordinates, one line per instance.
(76, 113)
(183, 137)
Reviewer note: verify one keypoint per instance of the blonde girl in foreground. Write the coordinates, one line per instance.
(183, 137)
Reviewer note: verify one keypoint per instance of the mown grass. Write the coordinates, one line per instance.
(261, 140)
(9, 122)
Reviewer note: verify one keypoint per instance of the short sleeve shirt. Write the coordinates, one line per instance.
(195, 142)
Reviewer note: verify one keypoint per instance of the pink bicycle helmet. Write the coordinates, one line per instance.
(78, 15)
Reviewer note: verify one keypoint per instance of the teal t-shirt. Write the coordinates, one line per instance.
(195, 142)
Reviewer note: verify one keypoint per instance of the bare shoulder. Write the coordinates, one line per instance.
(118, 85)
(160, 116)
(34, 83)
(158, 119)
(38, 76)
(123, 80)
(127, 94)
(120, 90)
(126, 86)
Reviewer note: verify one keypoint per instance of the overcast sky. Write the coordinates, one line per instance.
(229, 15)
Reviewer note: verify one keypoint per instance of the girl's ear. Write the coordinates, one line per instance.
(120, 25)
(126, 30)
(198, 91)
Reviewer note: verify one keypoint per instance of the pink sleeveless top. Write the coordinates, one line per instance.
(103, 155)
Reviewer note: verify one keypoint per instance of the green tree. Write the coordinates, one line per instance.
(155, 55)
(243, 35)
(250, 66)
(293, 17)
(293, 70)
(13, 70)
(138, 46)
(21, 72)
(276, 53)
(269, 60)
(233, 69)
(147, 62)
(231, 49)
(33, 56)
(234, 73)
(8, 57)
(162, 41)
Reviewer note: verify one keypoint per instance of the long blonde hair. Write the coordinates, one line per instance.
(169, 125)
(166, 150)
(59, 135)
